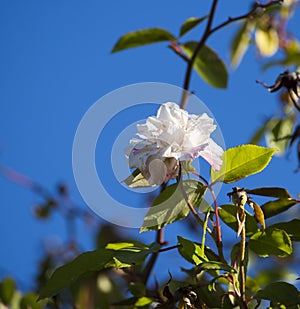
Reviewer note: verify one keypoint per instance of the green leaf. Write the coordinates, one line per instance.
(292, 228)
(142, 37)
(143, 301)
(267, 41)
(190, 251)
(279, 129)
(29, 300)
(114, 255)
(276, 207)
(208, 266)
(170, 206)
(240, 43)
(7, 290)
(208, 65)
(259, 133)
(270, 191)
(136, 180)
(191, 23)
(242, 161)
(235, 256)
(280, 293)
(271, 242)
(126, 302)
(227, 213)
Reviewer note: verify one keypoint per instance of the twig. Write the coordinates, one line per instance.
(191, 61)
(242, 267)
(207, 33)
(187, 200)
(256, 6)
(159, 240)
(218, 238)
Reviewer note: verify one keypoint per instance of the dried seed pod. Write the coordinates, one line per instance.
(258, 214)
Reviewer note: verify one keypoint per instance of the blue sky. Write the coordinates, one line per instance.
(55, 63)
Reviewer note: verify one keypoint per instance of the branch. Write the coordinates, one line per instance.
(256, 6)
(191, 61)
(208, 32)
(159, 240)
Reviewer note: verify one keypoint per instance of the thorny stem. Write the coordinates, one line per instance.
(207, 33)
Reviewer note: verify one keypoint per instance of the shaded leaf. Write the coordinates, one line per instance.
(191, 23)
(137, 180)
(227, 213)
(271, 242)
(235, 256)
(126, 302)
(142, 37)
(208, 266)
(292, 228)
(289, 60)
(170, 205)
(208, 65)
(117, 255)
(280, 293)
(270, 191)
(29, 300)
(7, 290)
(242, 161)
(137, 289)
(240, 43)
(267, 41)
(278, 130)
(273, 208)
(259, 133)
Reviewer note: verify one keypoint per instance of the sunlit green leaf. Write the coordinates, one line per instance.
(271, 242)
(273, 208)
(292, 228)
(267, 41)
(143, 301)
(190, 251)
(136, 180)
(191, 23)
(270, 191)
(142, 37)
(170, 205)
(280, 293)
(227, 213)
(116, 255)
(241, 42)
(208, 65)
(242, 161)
